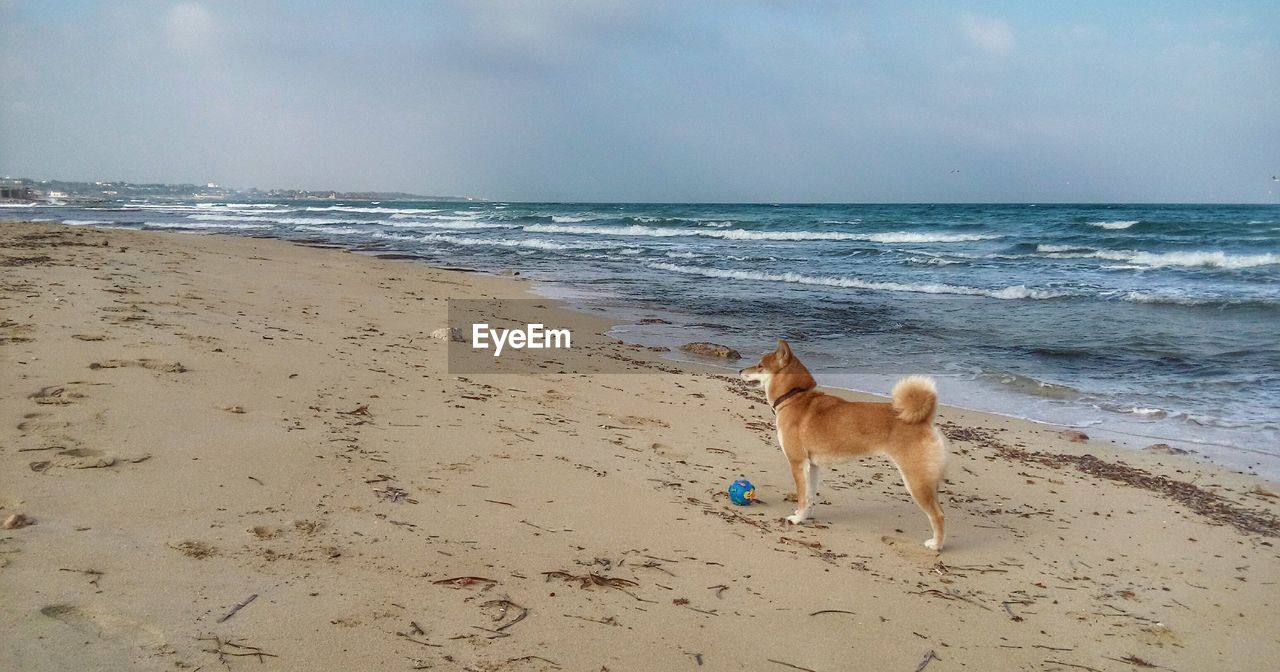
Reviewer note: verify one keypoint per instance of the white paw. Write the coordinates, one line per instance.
(796, 519)
(931, 544)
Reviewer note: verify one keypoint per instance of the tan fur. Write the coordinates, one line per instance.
(818, 429)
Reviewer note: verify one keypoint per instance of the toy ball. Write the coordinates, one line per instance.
(741, 492)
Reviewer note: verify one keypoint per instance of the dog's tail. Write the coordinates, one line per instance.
(915, 399)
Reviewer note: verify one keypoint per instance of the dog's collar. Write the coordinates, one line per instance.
(790, 393)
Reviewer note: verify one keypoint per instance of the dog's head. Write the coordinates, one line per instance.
(770, 365)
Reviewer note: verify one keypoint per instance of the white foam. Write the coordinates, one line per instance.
(336, 230)
(209, 217)
(907, 237)
(531, 243)
(932, 261)
(455, 224)
(1209, 259)
(207, 225)
(1062, 248)
(370, 211)
(240, 205)
(84, 222)
(1008, 293)
(1199, 258)
(740, 234)
(1118, 224)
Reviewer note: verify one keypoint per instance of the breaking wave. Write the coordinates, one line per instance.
(1007, 293)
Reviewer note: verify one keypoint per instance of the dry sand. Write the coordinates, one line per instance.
(249, 454)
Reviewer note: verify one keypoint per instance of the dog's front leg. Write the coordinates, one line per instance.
(804, 498)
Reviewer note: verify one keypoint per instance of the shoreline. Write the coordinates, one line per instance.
(1113, 427)
(1134, 419)
(219, 417)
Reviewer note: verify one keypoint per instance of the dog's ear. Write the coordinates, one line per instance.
(784, 352)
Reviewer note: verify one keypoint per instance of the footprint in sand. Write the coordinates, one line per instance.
(38, 422)
(85, 458)
(634, 421)
(154, 365)
(265, 531)
(669, 451)
(107, 626)
(59, 395)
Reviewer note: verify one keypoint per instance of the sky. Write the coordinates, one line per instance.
(647, 100)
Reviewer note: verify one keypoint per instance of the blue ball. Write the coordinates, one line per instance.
(741, 492)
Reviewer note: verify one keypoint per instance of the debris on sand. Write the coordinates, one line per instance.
(1202, 501)
(711, 350)
(16, 520)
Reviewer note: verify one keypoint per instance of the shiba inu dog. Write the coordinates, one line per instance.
(817, 429)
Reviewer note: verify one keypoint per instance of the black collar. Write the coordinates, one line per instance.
(790, 393)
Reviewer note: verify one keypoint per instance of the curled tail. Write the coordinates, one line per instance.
(915, 399)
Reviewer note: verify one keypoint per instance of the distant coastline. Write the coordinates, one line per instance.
(71, 192)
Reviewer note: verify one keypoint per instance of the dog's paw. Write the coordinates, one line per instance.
(931, 544)
(795, 519)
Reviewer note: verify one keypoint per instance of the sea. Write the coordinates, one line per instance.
(1138, 324)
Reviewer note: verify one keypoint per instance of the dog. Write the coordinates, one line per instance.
(817, 429)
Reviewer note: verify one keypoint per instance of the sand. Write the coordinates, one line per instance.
(250, 454)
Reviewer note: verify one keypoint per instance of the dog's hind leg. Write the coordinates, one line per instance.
(923, 486)
(805, 488)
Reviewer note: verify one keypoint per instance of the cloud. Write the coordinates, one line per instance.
(190, 29)
(992, 36)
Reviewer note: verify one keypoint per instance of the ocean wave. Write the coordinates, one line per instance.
(1051, 249)
(1215, 259)
(1199, 301)
(1007, 293)
(169, 206)
(529, 243)
(334, 230)
(269, 220)
(218, 217)
(241, 205)
(705, 221)
(931, 261)
(199, 226)
(1115, 225)
(908, 237)
(453, 224)
(742, 234)
(84, 222)
(1137, 258)
(370, 211)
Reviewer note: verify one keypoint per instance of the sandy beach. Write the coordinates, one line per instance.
(243, 453)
